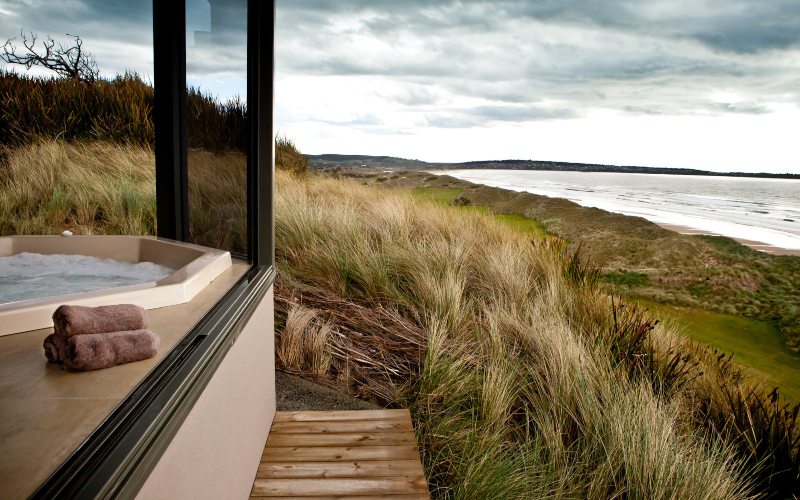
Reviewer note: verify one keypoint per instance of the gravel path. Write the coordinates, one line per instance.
(295, 393)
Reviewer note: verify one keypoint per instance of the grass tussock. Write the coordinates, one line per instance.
(289, 158)
(218, 200)
(97, 187)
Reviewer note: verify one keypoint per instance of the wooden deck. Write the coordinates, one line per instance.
(341, 454)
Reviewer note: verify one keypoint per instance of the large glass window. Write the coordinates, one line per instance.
(216, 107)
(76, 126)
(77, 154)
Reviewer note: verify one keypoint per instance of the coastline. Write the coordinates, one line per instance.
(755, 245)
(774, 234)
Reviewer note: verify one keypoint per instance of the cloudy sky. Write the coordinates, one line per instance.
(702, 84)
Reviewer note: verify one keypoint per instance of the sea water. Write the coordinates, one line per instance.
(27, 276)
(764, 210)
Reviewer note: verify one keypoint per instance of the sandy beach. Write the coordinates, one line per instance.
(762, 214)
(756, 245)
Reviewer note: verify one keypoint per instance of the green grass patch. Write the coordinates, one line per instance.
(436, 194)
(756, 345)
(445, 196)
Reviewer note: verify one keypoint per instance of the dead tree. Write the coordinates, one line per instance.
(66, 61)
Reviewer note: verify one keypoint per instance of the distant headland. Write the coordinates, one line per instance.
(391, 162)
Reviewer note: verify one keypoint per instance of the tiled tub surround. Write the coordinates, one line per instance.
(195, 267)
(46, 412)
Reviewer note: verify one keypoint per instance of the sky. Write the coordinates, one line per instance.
(699, 84)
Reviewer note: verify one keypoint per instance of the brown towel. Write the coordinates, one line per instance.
(55, 348)
(81, 320)
(102, 350)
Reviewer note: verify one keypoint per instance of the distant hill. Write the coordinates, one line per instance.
(390, 162)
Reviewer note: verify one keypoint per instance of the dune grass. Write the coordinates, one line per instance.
(98, 187)
(88, 188)
(642, 259)
(522, 389)
(523, 377)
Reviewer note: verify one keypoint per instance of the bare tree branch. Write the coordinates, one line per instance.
(66, 61)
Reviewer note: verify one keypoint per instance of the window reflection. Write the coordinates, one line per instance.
(76, 142)
(216, 72)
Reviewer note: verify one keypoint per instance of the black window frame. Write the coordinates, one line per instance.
(116, 459)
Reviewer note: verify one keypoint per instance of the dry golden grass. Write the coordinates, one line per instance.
(519, 393)
(107, 188)
(303, 341)
(89, 188)
(218, 181)
(521, 381)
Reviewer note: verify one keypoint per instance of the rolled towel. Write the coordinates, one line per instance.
(93, 351)
(55, 348)
(81, 320)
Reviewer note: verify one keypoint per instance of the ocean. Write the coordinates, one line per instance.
(763, 210)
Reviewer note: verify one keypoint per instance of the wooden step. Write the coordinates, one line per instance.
(341, 454)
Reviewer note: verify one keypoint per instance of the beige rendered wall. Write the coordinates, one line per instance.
(216, 452)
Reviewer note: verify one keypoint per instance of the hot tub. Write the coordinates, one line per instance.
(195, 267)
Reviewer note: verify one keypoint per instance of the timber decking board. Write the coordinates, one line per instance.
(341, 454)
(378, 468)
(344, 439)
(333, 416)
(342, 427)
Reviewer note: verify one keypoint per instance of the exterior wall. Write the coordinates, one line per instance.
(216, 452)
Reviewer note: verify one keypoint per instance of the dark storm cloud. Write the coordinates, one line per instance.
(737, 26)
(506, 56)
(526, 60)
(729, 25)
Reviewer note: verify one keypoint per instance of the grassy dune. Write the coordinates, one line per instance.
(97, 187)
(641, 259)
(523, 377)
(758, 345)
(519, 391)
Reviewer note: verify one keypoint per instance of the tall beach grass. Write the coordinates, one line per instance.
(524, 378)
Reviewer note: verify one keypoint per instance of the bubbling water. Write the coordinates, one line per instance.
(26, 276)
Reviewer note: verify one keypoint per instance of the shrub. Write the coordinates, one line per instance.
(116, 110)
